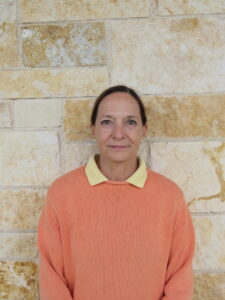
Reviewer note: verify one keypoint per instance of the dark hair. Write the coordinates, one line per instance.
(114, 89)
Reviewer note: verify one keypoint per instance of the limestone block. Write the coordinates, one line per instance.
(38, 83)
(169, 55)
(5, 114)
(18, 245)
(20, 209)
(53, 10)
(77, 119)
(197, 167)
(8, 49)
(28, 158)
(176, 7)
(37, 113)
(18, 280)
(210, 286)
(76, 155)
(185, 116)
(69, 45)
(210, 242)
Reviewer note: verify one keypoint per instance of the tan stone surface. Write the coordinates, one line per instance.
(18, 245)
(8, 47)
(77, 119)
(5, 114)
(28, 158)
(169, 55)
(198, 168)
(18, 280)
(76, 155)
(81, 44)
(41, 10)
(37, 113)
(177, 7)
(210, 242)
(53, 83)
(209, 286)
(20, 209)
(186, 116)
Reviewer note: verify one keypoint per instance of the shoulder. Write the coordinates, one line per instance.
(165, 188)
(68, 183)
(163, 182)
(69, 178)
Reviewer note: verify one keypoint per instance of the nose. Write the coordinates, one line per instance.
(118, 132)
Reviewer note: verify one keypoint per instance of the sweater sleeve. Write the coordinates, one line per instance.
(52, 284)
(179, 276)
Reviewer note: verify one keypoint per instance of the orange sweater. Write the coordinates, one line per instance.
(115, 241)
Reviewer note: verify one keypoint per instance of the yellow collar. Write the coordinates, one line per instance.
(95, 176)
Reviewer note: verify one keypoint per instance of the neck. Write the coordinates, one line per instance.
(117, 171)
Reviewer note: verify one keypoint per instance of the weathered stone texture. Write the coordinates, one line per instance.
(8, 47)
(177, 7)
(77, 119)
(64, 45)
(28, 158)
(198, 168)
(186, 116)
(5, 114)
(18, 280)
(37, 113)
(20, 209)
(51, 10)
(53, 83)
(209, 286)
(169, 55)
(76, 155)
(210, 242)
(18, 245)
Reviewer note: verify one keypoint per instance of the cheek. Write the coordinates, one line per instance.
(102, 134)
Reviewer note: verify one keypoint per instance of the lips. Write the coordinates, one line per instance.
(117, 146)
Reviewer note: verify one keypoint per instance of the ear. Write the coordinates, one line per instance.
(92, 127)
(145, 130)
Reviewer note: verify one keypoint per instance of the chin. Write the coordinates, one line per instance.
(119, 157)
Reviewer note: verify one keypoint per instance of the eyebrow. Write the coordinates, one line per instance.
(127, 117)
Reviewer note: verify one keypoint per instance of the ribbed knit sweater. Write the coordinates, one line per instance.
(115, 241)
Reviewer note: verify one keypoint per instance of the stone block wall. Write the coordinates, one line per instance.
(55, 58)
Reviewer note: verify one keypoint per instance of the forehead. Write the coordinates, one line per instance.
(119, 102)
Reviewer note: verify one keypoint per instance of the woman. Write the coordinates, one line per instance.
(113, 229)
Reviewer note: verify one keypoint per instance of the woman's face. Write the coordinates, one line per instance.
(118, 129)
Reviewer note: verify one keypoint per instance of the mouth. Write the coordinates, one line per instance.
(117, 146)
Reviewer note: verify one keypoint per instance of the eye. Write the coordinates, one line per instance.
(105, 122)
(132, 122)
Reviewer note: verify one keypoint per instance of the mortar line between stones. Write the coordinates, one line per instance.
(205, 271)
(109, 53)
(50, 98)
(12, 114)
(19, 231)
(14, 259)
(61, 146)
(20, 187)
(18, 34)
(74, 21)
(184, 139)
(87, 97)
(27, 68)
(204, 214)
(30, 129)
(190, 16)
(153, 8)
